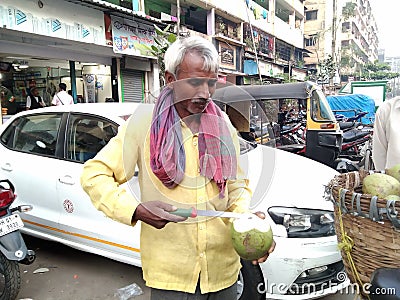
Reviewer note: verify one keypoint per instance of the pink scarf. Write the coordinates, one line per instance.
(217, 154)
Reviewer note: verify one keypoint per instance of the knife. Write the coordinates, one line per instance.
(193, 213)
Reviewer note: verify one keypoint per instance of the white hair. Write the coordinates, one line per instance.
(176, 52)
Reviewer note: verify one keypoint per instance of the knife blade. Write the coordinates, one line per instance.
(193, 213)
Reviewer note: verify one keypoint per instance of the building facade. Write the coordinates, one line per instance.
(394, 63)
(43, 44)
(96, 47)
(344, 30)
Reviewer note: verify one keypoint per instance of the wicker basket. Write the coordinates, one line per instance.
(367, 227)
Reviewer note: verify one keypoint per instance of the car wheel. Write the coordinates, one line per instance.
(250, 283)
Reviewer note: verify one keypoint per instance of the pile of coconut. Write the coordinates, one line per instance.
(384, 185)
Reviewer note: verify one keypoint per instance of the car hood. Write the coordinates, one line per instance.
(281, 178)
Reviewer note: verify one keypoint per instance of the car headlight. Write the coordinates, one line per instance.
(304, 223)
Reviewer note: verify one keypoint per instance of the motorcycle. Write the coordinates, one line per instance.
(13, 249)
(292, 139)
(356, 118)
(353, 142)
(356, 153)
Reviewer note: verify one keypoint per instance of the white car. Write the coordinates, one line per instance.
(42, 152)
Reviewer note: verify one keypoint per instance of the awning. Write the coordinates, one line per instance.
(25, 43)
(223, 71)
(114, 9)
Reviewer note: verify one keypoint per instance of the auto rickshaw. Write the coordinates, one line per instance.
(263, 107)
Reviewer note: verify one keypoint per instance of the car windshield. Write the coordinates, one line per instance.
(320, 109)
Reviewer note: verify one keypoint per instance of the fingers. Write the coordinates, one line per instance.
(156, 214)
(173, 218)
(260, 214)
(265, 257)
(162, 209)
(163, 205)
(272, 248)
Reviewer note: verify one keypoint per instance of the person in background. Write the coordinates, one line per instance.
(386, 136)
(12, 107)
(187, 153)
(33, 100)
(8, 104)
(62, 97)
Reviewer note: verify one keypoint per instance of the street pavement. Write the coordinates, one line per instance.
(75, 275)
(69, 274)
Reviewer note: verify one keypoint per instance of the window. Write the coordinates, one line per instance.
(346, 27)
(33, 134)
(311, 15)
(311, 40)
(88, 135)
(345, 44)
(320, 109)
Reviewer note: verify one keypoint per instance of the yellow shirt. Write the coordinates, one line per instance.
(175, 257)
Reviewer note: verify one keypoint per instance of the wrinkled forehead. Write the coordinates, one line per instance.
(196, 62)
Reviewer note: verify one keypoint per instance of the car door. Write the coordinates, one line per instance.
(80, 222)
(28, 151)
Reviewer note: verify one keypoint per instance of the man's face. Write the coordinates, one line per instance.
(193, 87)
(35, 92)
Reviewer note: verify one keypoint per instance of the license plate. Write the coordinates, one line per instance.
(10, 224)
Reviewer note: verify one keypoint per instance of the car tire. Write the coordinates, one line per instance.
(250, 283)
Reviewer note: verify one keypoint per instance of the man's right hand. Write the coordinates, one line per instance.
(156, 214)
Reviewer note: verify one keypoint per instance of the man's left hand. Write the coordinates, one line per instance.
(271, 249)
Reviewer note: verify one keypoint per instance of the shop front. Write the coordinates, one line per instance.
(42, 46)
(138, 68)
(62, 42)
(45, 62)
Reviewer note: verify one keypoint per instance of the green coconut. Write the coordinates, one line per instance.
(251, 237)
(381, 185)
(394, 171)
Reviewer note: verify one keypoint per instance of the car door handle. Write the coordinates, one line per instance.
(6, 167)
(67, 179)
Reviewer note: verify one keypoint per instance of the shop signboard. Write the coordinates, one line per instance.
(227, 56)
(299, 74)
(132, 37)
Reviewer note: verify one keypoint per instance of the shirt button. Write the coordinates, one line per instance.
(194, 143)
(201, 254)
(201, 227)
